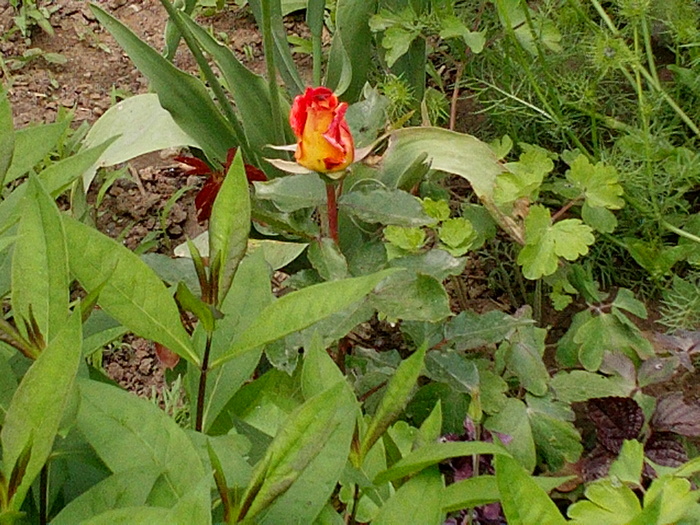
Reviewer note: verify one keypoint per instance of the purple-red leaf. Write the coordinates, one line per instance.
(616, 419)
(673, 414)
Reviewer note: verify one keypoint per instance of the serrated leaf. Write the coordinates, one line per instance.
(385, 206)
(437, 209)
(414, 297)
(609, 504)
(523, 178)
(523, 357)
(616, 419)
(546, 242)
(406, 238)
(469, 330)
(457, 235)
(599, 183)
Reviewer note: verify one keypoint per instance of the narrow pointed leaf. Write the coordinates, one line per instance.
(229, 225)
(184, 96)
(301, 309)
(40, 275)
(37, 406)
(7, 136)
(31, 145)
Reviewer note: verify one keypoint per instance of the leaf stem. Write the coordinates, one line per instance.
(202, 391)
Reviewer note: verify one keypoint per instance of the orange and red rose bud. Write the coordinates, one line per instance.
(324, 141)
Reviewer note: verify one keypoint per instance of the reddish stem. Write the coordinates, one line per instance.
(332, 202)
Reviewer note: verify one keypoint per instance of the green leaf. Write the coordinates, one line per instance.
(628, 465)
(438, 210)
(453, 27)
(249, 91)
(523, 178)
(523, 357)
(350, 42)
(301, 309)
(513, 421)
(523, 501)
(434, 453)
(319, 372)
(546, 242)
(182, 95)
(405, 238)
(325, 256)
(556, 437)
(397, 41)
(293, 192)
(609, 504)
(385, 206)
(40, 275)
(454, 369)
(56, 179)
(599, 183)
(450, 152)
(578, 385)
(229, 226)
(600, 219)
(469, 330)
(32, 144)
(292, 455)
(128, 488)
(7, 135)
(626, 300)
(397, 395)
(419, 500)
(414, 297)
(250, 293)
(141, 125)
(470, 493)
(436, 263)
(458, 235)
(127, 432)
(38, 405)
(133, 294)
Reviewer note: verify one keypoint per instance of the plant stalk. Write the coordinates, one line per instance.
(202, 391)
(332, 207)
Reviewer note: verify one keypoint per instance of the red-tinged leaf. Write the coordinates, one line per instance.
(665, 449)
(597, 464)
(195, 166)
(204, 200)
(167, 358)
(254, 174)
(616, 419)
(673, 414)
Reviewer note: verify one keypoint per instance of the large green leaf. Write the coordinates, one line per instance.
(8, 385)
(37, 406)
(523, 357)
(512, 421)
(417, 501)
(40, 275)
(142, 126)
(414, 297)
(301, 309)
(184, 96)
(385, 206)
(293, 456)
(229, 226)
(448, 151)
(249, 294)
(7, 135)
(523, 501)
(131, 293)
(127, 432)
(293, 192)
(32, 144)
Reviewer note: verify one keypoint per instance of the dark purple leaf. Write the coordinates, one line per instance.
(673, 414)
(596, 464)
(665, 449)
(616, 419)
